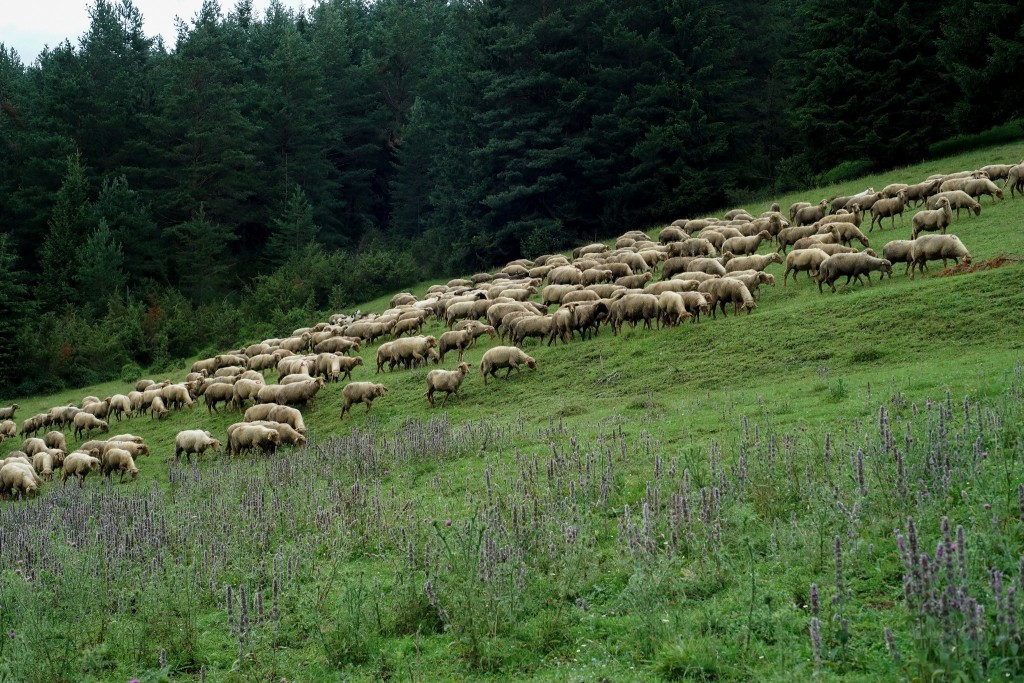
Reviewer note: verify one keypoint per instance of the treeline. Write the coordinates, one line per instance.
(157, 200)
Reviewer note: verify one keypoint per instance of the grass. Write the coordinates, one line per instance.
(651, 506)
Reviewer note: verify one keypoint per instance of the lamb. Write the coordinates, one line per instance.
(7, 413)
(218, 393)
(755, 262)
(934, 247)
(888, 208)
(929, 221)
(16, 477)
(728, 290)
(509, 357)
(898, 251)
(119, 460)
(249, 437)
(742, 246)
(852, 266)
(958, 199)
(360, 392)
(803, 260)
(120, 406)
(276, 413)
(84, 422)
(194, 441)
(79, 465)
(978, 187)
(447, 381)
(810, 214)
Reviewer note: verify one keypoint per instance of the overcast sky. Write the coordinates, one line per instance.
(28, 25)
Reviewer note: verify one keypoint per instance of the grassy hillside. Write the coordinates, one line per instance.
(651, 505)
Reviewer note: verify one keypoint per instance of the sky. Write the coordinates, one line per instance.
(28, 25)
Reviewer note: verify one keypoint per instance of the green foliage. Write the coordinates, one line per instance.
(71, 222)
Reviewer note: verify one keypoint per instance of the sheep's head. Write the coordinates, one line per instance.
(463, 368)
(379, 389)
(886, 267)
(774, 257)
(999, 193)
(531, 363)
(976, 208)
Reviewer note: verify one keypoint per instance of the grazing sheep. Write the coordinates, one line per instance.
(194, 441)
(346, 365)
(8, 428)
(509, 357)
(539, 326)
(728, 290)
(79, 465)
(276, 413)
(935, 220)
(1015, 179)
(671, 234)
(634, 281)
(454, 340)
(855, 216)
(43, 464)
(701, 246)
(844, 202)
(810, 214)
(755, 262)
(888, 208)
(289, 436)
(447, 381)
(35, 423)
(120, 406)
(753, 280)
(249, 437)
(979, 187)
(144, 384)
(958, 199)
(245, 390)
(920, 192)
(586, 317)
(294, 379)
(7, 413)
(218, 393)
(893, 189)
(633, 308)
(687, 264)
(299, 393)
(360, 392)
(831, 237)
(672, 309)
(847, 232)
(84, 422)
(935, 247)
(803, 260)
(793, 208)
(552, 294)
(997, 171)
(336, 345)
(18, 478)
(742, 246)
(898, 251)
(119, 460)
(32, 446)
(789, 236)
(852, 266)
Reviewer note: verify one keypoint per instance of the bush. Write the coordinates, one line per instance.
(848, 170)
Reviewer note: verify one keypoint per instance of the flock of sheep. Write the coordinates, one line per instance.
(704, 265)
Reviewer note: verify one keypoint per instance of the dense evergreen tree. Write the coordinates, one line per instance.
(72, 222)
(15, 309)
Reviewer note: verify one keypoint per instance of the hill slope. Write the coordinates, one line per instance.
(578, 547)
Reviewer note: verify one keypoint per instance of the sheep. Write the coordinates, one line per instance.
(633, 308)
(409, 352)
(248, 437)
(888, 208)
(120, 406)
(852, 266)
(367, 331)
(245, 390)
(839, 249)
(447, 381)
(119, 460)
(218, 393)
(893, 189)
(289, 436)
(920, 192)
(7, 413)
(634, 281)
(276, 413)
(789, 236)
(337, 345)
(210, 365)
(565, 275)
(294, 379)
(582, 296)
(79, 465)
(229, 371)
(84, 422)
(509, 357)
(43, 464)
(16, 477)
(402, 298)
(958, 199)
(803, 260)
(299, 393)
(844, 202)
(176, 396)
(595, 248)
(1015, 179)
(552, 294)
(157, 409)
(695, 303)
(742, 246)
(831, 237)
(793, 208)
(496, 313)
(360, 392)
(810, 214)
(929, 221)
(671, 308)
(62, 415)
(539, 326)
(456, 339)
(855, 216)
(685, 264)
(934, 247)
(726, 290)
(586, 317)
(8, 428)
(755, 262)
(898, 251)
(671, 234)
(346, 365)
(195, 441)
(753, 280)
(35, 423)
(847, 232)
(996, 171)
(978, 187)
(707, 244)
